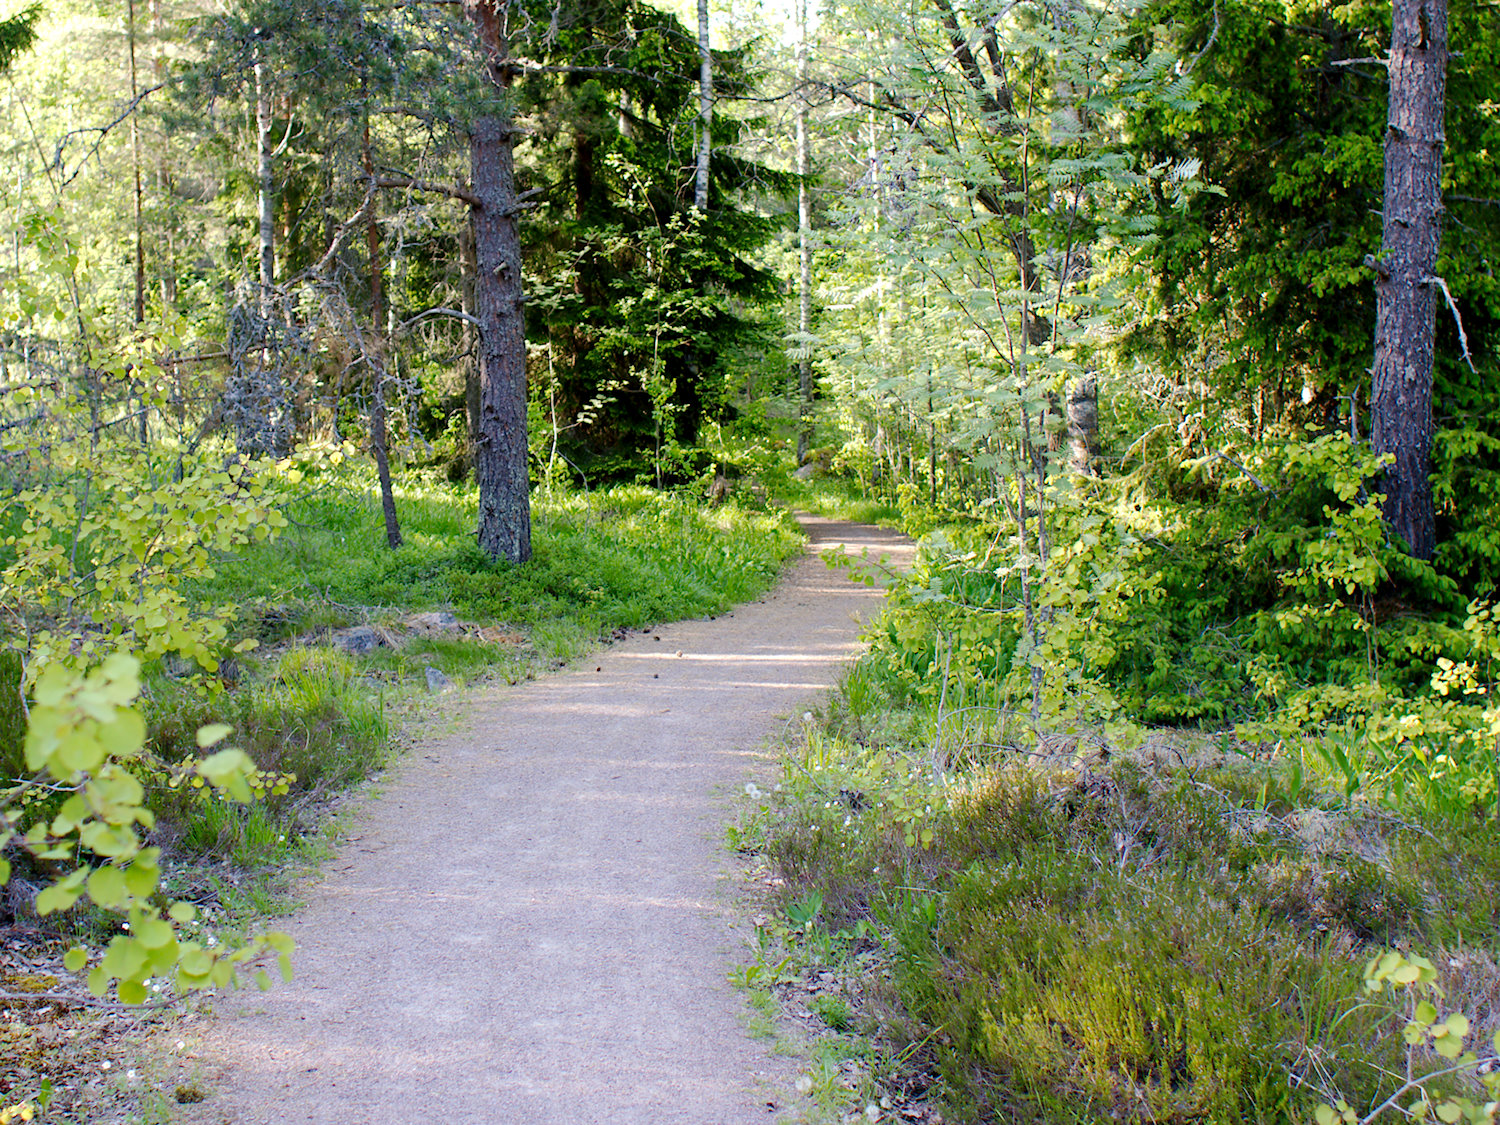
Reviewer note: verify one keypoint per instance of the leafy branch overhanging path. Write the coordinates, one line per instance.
(533, 924)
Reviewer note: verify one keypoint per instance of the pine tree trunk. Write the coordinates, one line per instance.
(705, 108)
(500, 447)
(1401, 400)
(378, 441)
(804, 247)
(468, 267)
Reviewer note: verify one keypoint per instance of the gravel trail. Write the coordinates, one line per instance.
(533, 924)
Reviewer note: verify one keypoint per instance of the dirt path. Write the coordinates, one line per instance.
(534, 923)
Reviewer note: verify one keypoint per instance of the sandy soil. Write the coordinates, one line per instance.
(534, 923)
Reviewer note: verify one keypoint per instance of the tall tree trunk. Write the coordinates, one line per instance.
(804, 246)
(500, 447)
(376, 361)
(705, 108)
(265, 180)
(1401, 400)
(1083, 425)
(468, 267)
(135, 164)
(166, 257)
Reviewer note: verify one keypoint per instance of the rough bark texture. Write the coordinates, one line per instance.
(468, 267)
(266, 182)
(1083, 425)
(705, 108)
(500, 447)
(1401, 401)
(378, 440)
(804, 244)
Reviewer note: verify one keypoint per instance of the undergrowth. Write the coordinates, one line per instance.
(1160, 937)
(316, 719)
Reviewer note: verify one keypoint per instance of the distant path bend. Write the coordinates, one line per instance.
(532, 925)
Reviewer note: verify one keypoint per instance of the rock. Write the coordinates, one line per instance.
(811, 471)
(437, 683)
(359, 640)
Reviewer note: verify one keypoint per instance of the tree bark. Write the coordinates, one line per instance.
(705, 108)
(804, 247)
(500, 447)
(376, 361)
(266, 183)
(135, 165)
(468, 268)
(1401, 399)
(1083, 425)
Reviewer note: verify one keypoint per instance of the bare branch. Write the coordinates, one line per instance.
(1212, 38)
(454, 313)
(1463, 339)
(452, 191)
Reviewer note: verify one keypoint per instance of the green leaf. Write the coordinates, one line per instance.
(213, 733)
(1449, 1046)
(183, 912)
(1450, 1112)
(124, 958)
(141, 878)
(107, 887)
(1425, 1013)
(132, 992)
(75, 959)
(154, 932)
(59, 896)
(1326, 1115)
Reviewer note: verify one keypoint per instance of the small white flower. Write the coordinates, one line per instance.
(872, 1113)
(753, 791)
(804, 1084)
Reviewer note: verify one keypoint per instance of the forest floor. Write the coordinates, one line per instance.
(535, 920)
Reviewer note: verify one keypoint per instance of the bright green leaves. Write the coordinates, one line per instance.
(76, 723)
(1395, 974)
(115, 547)
(86, 735)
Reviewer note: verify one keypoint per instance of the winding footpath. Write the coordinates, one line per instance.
(534, 923)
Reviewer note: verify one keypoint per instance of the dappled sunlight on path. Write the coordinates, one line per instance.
(533, 924)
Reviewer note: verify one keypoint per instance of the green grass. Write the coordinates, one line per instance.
(839, 497)
(317, 721)
(1156, 939)
(624, 558)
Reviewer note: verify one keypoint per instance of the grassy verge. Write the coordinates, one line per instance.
(319, 713)
(1174, 934)
(316, 710)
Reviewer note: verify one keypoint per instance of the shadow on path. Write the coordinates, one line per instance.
(532, 925)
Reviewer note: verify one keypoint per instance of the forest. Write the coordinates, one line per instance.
(461, 336)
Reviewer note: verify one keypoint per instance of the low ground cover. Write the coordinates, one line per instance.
(1043, 908)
